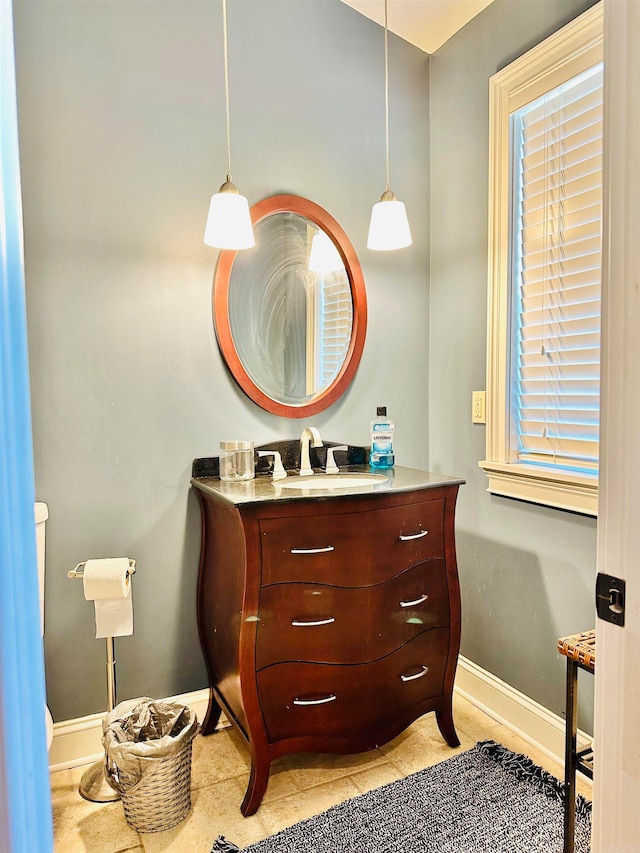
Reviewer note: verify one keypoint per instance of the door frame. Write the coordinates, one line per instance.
(25, 800)
(616, 816)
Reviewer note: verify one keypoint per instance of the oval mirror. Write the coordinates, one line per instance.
(291, 313)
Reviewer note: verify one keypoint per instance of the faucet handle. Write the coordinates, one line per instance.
(331, 467)
(278, 469)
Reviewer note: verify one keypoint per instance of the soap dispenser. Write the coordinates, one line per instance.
(381, 454)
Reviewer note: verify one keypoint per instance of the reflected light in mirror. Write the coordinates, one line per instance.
(324, 257)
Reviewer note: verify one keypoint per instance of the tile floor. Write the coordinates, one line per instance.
(299, 786)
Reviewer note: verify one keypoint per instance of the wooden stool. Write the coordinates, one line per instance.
(580, 651)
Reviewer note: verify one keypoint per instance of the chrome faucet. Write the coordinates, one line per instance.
(310, 436)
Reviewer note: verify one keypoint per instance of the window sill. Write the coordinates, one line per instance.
(549, 487)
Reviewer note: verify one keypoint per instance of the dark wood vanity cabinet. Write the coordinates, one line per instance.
(328, 625)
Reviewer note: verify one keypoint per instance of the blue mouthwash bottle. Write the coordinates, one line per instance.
(381, 455)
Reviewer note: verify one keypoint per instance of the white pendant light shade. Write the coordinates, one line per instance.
(229, 220)
(389, 226)
(324, 257)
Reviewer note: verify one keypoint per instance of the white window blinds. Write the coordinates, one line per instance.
(557, 180)
(335, 318)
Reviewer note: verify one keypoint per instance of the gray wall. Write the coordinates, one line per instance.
(121, 109)
(527, 573)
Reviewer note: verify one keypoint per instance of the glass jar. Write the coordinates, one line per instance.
(237, 460)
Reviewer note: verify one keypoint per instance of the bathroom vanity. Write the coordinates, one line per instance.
(329, 617)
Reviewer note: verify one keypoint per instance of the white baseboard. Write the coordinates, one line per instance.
(525, 717)
(79, 741)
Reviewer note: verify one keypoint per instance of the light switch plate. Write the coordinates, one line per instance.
(478, 407)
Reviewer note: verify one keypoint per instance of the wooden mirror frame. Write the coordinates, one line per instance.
(329, 395)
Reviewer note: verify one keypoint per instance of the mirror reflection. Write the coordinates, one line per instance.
(290, 308)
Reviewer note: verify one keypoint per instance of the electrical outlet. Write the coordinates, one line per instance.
(478, 407)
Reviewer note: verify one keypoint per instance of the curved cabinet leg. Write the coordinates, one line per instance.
(212, 716)
(257, 786)
(444, 718)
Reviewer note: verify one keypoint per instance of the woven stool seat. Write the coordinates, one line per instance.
(580, 648)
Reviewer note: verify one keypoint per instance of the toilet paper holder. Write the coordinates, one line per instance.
(75, 573)
(93, 785)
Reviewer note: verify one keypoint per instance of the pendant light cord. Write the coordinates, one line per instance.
(386, 88)
(226, 86)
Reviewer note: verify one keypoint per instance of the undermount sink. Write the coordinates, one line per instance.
(330, 481)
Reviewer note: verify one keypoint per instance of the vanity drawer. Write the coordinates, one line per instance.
(331, 624)
(351, 548)
(341, 701)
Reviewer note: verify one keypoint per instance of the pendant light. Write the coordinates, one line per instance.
(389, 226)
(229, 220)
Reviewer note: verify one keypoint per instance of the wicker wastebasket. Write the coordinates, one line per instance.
(148, 761)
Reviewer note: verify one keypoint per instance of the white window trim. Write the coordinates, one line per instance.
(568, 52)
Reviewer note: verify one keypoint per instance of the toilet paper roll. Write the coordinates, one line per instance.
(108, 584)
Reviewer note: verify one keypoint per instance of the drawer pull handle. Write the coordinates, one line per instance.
(420, 600)
(406, 538)
(313, 550)
(423, 671)
(322, 701)
(297, 623)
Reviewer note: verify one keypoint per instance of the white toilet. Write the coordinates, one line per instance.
(42, 514)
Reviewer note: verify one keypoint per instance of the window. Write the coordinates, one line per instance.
(545, 271)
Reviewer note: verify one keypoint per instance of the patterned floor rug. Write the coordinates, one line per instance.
(485, 800)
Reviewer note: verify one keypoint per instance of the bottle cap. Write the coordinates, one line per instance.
(381, 411)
